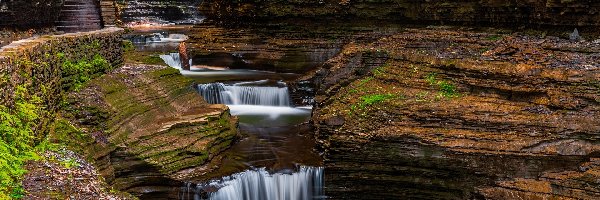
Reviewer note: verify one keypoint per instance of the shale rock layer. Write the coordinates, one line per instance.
(511, 12)
(484, 106)
(152, 129)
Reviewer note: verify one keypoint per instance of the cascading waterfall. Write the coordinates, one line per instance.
(259, 184)
(242, 94)
(173, 60)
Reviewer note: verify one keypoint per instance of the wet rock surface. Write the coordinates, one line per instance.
(51, 179)
(139, 12)
(152, 130)
(498, 109)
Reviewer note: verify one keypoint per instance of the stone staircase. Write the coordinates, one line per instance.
(80, 15)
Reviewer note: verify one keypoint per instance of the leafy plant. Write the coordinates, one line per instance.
(76, 74)
(447, 89)
(369, 100)
(128, 46)
(17, 141)
(69, 163)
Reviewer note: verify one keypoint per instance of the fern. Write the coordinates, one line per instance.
(16, 141)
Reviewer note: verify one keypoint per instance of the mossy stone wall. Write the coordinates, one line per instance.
(36, 64)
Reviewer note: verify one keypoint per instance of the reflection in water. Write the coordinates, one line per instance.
(258, 184)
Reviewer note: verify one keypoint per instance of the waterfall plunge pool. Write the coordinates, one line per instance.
(277, 151)
(276, 158)
(259, 184)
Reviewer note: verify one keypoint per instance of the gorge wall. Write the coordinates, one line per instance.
(151, 130)
(133, 122)
(532, 12)
(459, 114)
(29, 14)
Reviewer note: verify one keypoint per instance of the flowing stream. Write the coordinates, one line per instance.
(278, 155)
(259, 184)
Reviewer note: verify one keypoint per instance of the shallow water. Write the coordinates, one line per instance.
(259, 184)
(278, 138)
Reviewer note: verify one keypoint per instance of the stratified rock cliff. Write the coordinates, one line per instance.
(461, 114)
(511, 12)
(151, 129)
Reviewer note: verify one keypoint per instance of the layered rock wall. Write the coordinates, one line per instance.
(510, 12)
(29, 14)
(152, 130)
(503, 114)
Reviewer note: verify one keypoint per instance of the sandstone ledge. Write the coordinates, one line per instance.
(477, 98)
(149, 124)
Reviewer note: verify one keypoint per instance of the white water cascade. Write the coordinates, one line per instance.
(259, 184)
(173, 60)
(242, 94)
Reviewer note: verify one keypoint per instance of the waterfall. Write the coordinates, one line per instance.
(243, 94)
(259, 184)
(173, 60)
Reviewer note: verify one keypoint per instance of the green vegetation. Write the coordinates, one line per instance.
(17, 141)
(22, 137)
(76, 74)
(372, 99)
(446, 89)
(379, 71)
(494, 37)
(128, 46)
(150, 58)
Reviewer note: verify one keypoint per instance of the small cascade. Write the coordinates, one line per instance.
(156, 38)
(244, 94)
(259, 184)
(173, 60)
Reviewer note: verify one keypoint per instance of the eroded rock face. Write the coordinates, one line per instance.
(510, 12)
(29, 14)
(152, 129)
(476, 107)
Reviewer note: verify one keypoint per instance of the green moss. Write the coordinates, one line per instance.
(371, 99)
(128, 46)
(446, 89)
(149, 58)
(76, 73)
(72, 138)
(494, 37)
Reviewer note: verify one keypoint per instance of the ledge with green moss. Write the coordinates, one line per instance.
(150, 116)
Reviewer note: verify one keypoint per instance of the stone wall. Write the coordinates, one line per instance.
(36, 64)
(29, 14)
(511, 12)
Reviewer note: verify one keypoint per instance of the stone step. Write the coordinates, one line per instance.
(80, 15)
(98, 24)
